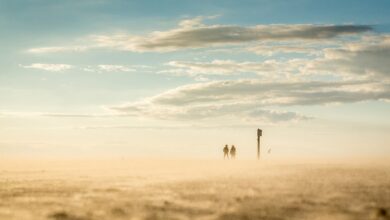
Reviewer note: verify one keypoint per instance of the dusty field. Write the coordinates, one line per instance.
(193, 189)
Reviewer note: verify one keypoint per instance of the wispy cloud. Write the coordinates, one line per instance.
(97, 68)
(115, 68)
(49, 67)
(57, 49)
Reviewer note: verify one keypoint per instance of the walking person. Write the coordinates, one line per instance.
(233, 152)
(226, 152)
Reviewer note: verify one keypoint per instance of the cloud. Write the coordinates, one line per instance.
(115, 68)
(274, 93)
(242, 111)
(194, 22)
(369, 57)
(359, 70)
(272, 68)
(104, 68)
(97, 68)
(192, 33)
(57, 49)
(250, 100)
(206, 36)
(291, 47)
(49, 67)
(364, 58)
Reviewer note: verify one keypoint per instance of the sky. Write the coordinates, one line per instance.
(183, 78)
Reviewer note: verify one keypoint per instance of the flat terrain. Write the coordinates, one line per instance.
(193, 189)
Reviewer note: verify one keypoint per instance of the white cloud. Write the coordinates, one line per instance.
(115, 68)
(194, 22)
(57, 49)
(97, 68)
(49, 67)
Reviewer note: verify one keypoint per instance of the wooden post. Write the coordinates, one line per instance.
(259, 133)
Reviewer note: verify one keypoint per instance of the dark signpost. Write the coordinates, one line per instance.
(259, 133)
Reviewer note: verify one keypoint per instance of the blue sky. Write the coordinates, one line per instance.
(102, 76)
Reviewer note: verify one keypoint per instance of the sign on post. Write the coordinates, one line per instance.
(259, 134)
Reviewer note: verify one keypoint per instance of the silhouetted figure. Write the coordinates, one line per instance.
(226, 152)
(233, 152)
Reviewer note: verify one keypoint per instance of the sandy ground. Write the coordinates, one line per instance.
(193, 189)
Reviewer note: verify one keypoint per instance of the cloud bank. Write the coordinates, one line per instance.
(353, 58)
(251, 99)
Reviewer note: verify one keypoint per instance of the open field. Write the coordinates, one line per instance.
(193, 189)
